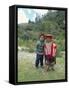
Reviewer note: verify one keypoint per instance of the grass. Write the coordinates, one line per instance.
(28, 44)
(28, 72)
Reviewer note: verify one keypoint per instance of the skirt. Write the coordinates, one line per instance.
(50, 61)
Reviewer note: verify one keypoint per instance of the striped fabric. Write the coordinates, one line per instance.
(50, 48)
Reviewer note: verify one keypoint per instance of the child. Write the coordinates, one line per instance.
(40, 51)
(50, 52)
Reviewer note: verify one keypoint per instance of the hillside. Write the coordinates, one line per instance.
(53, 23)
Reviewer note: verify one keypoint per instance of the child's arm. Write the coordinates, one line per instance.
(55, 48)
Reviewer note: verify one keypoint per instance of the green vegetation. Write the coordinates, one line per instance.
(28, 34)
(52, 23)
(28, 72)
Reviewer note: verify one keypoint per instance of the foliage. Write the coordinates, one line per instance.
(52, 23)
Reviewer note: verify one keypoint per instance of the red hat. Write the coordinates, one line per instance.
(49, 36)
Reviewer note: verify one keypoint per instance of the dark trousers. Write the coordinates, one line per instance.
(39, 59)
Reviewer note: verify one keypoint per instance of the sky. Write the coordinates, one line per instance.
(29, 14)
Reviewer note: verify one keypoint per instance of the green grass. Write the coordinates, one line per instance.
(28, 72)
(27, 43)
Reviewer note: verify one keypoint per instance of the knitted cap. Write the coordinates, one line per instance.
(49, 36)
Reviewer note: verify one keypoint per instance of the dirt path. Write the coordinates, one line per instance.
(26, 55)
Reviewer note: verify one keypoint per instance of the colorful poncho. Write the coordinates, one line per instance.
(50, 49)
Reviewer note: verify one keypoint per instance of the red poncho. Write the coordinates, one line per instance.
(50, 49)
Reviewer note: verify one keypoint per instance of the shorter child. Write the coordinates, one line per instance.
(50, 49)
(40, 51)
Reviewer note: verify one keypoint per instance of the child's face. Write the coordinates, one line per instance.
(48, 39)
(42, 38)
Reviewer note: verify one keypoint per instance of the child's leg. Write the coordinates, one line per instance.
(45, 60)
(47, 63)
(55, 59)
(53, 63)
(47, 67)
(52, 67)
(37, 60)
(41, 60)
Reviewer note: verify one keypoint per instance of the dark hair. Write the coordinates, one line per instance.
(42, 35)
